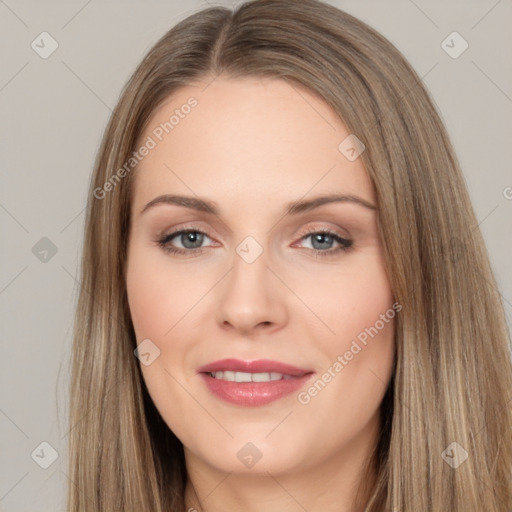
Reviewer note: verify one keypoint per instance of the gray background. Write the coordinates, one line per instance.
(53, 113)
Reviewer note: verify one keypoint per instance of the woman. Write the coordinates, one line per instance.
(285, 304)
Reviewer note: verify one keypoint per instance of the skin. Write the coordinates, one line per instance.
(252, 146)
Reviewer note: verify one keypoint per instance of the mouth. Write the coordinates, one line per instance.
(231, 376)
(252, 383)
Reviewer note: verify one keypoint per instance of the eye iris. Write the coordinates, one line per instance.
(193, 237)
(320, 237)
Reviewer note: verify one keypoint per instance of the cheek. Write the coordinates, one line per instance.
(147, 302)
(370, 320)
(157, 304)
(360, 354)
(158, 295)
(348, 301)
(369, 304)
(358, 350)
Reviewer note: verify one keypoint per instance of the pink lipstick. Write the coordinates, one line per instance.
(252, 383)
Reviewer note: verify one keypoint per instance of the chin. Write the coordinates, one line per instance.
(257, 458)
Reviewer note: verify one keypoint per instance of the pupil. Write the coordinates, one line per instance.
(321, 239)
(192, 238)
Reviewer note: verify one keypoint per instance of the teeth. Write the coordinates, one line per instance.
(249, 377)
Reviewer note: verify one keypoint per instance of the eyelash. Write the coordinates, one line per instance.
(345, 244)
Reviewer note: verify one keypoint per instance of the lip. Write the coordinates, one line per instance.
(251, 394)
(257, 366)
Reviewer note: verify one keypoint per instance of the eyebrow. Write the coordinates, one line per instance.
(293, 208)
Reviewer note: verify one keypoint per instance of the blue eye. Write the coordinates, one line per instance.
(192, 240)
(319, 239)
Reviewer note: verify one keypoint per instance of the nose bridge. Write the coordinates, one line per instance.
(250, 294)
(249, 276)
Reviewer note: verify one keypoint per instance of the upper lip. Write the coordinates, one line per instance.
(256, 366)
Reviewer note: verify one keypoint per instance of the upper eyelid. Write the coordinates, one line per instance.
(175, 232)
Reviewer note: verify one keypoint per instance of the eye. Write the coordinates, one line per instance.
(322, 241)
(192, 239)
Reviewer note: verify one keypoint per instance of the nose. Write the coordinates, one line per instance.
(252, 298)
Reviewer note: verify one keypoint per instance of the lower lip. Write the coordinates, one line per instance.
(251, 394)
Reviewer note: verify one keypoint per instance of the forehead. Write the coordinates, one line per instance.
(246, 142)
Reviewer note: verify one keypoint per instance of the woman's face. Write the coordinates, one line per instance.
(258, 280)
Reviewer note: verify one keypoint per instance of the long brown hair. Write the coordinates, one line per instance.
(450, 391)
